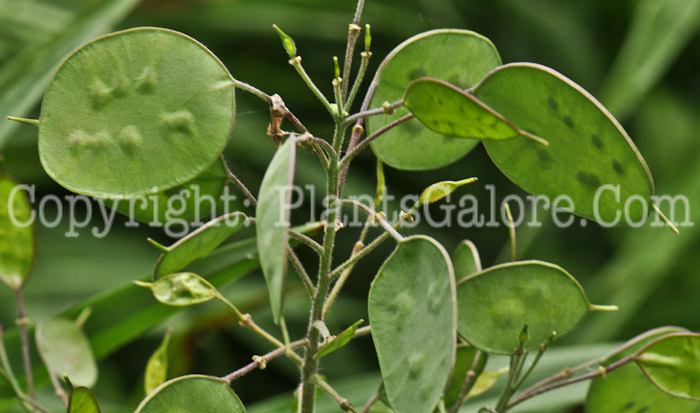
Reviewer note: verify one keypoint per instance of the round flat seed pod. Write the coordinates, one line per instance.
(135, 112)
(195, 393)
(590, 158)
(460, 57)
(495, 304)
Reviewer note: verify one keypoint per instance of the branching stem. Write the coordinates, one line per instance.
(352, 153)
(373, 112)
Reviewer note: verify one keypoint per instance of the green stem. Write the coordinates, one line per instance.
(373, 112)
(296, 63)
(11, 378)
(307, 240)
(261, 361)
(342, 402)
(246, 320)
(352, 153)
(338, 93)
(360, 254)
(239, 183)
(366, 55)
(310, 365)
(529, 370)
(302, 272)
(516, 364)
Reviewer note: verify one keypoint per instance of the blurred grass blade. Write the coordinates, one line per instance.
(31, 51)
(659, 31)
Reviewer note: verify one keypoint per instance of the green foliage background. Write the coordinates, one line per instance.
(640, 58)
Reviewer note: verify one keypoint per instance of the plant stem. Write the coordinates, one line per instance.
(245, 320)
(347, 268)
(534, 391)
(310, 365)
(366, 55)
(9, 375)
(22, 322)
(351, 153)
(296, 63)
(353, 33)
(306, 240)
(302, 272)
(262, 361)
(373, 112)
(370, 402)
(239, 184)
(252, 90)
(338, 94)
(357, 256)
(357, 130)
(342, 402)
(516, 364)
(511, 232)
(468, 382)
(377, 216)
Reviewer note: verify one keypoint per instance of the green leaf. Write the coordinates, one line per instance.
(496, 303)
(181, 289)
(272, 223)
(587, 147)
(157, 366)
(460, 57)
(193, 393)
(412, 313)
(66, 351)
(338, 341)
(465, 259)
(672, 363)
(189, 202)
(449, 110)
(82, 401)
(32, 52)
(463, 362)
(198, 244)
(135, 112)
(439, 190)
(16, 241)
(627, 387)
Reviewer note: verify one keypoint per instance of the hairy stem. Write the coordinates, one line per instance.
(307, 241)
(352, 153)
(261, 361)
(310, 365)
(342, 402)
(296, 63)
(373, 112)
(302, 272)
(239, 184)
